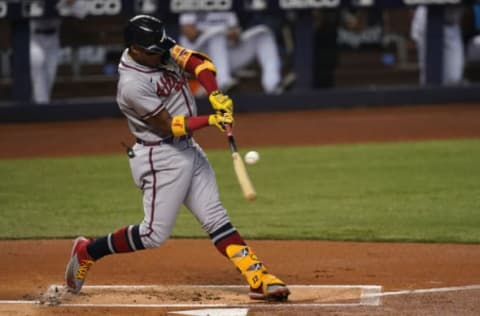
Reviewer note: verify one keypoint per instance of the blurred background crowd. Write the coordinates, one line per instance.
(77, 56)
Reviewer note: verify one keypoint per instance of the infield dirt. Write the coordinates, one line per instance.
(28, 267)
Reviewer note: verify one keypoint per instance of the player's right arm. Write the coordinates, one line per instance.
(200, 65)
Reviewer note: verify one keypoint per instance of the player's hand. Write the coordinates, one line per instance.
(220, 119)
(221, 102)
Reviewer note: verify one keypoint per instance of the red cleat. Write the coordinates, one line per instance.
(78, 265)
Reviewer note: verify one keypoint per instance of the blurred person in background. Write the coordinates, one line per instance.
(231, 48)
(45, 49)
(453, 48)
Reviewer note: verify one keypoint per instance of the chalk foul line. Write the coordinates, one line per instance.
(368, 293)
(426, 291)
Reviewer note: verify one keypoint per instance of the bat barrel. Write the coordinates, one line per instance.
(243, 179)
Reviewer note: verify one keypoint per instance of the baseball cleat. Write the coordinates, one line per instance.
(272, 289)
(78, 265)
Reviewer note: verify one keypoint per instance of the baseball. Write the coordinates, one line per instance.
(252, 157)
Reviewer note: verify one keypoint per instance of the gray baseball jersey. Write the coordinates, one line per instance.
(174, 171)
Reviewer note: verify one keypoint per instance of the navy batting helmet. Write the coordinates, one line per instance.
(148, 32)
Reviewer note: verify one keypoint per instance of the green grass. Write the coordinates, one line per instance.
(413, 191)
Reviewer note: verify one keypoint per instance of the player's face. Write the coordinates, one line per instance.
(147, 58)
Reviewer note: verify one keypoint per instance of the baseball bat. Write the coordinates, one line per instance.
(239, 167)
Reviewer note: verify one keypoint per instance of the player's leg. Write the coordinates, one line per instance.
(418, 34)
(164, 177)
(38, 70)
(421, 56)
(258, 43)
(268, 57)
(52, 62)
(453, 55)
(241, 55)
(266, 52)
(204, 202)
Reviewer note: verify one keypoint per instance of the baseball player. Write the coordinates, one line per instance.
(167, 165)
(45, 49)
(453, 50)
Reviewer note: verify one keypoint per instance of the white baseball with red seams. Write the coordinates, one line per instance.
(252, 157)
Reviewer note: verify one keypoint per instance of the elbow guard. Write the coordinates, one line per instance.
(181, 55)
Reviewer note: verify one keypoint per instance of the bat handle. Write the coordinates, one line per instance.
(231, 140)
(228, 129)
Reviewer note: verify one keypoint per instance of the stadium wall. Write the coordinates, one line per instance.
(319, 99)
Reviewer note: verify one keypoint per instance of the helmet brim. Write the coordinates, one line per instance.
(161, 47)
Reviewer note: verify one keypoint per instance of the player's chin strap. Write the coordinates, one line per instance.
(253, 269)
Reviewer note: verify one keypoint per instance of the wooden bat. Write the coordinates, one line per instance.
(239, 167)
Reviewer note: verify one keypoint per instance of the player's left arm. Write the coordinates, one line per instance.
(200, 65)
(180, 125)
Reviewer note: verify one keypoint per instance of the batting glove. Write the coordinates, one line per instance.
(221, 102)
(220, 119)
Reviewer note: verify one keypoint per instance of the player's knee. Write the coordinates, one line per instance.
(259, 32)
(263, 29)
(37, 57)
(215, 220)
(154, 237)
(216, 42)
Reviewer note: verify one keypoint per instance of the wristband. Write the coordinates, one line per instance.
(178, 126)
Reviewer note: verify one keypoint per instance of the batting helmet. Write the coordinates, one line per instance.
(148, 32)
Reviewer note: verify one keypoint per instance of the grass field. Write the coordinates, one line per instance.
(412, 191)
